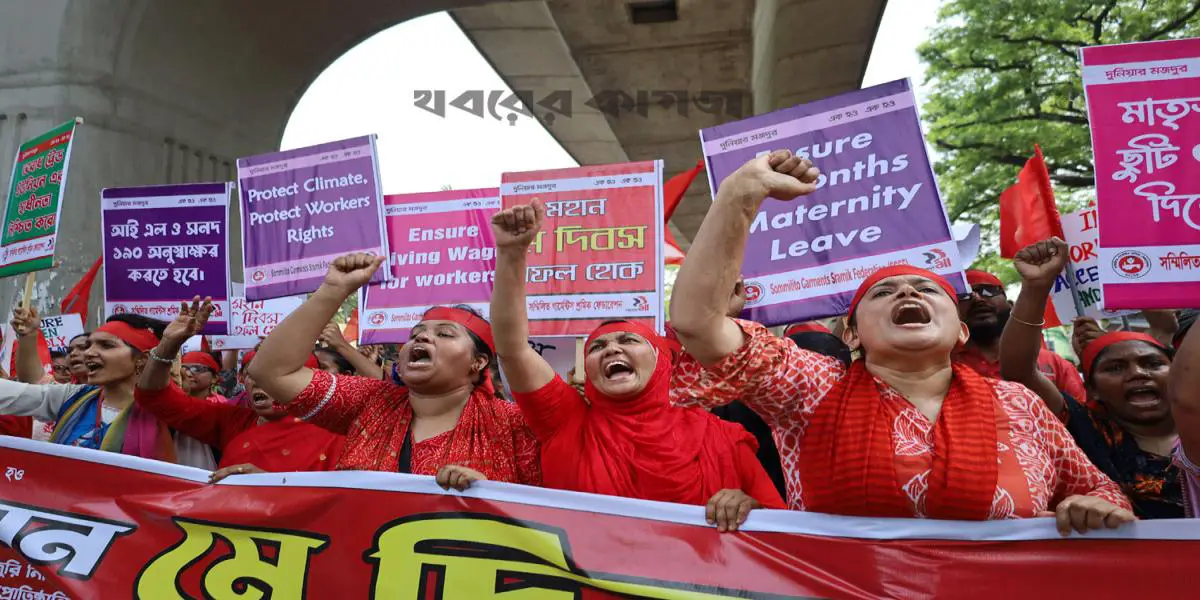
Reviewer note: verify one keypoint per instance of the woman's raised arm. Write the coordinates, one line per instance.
(514, 229)
(278, 367)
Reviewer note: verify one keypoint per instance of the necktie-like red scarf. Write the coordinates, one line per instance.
(848, 464)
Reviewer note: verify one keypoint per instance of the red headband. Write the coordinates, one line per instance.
(631, 327)
(142, 339)
(977, 277)
(247, 358)
(482, 329)
(203, 359)
(1097, 345)
(803, 327)
(897, 271)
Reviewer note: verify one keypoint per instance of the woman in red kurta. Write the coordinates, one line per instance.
(254, 439)
(903, 432)
(625, 439)
(445, 421)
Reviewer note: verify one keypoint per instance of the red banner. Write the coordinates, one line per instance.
(101, 525)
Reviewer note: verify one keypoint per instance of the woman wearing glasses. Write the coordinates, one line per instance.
(200, 376)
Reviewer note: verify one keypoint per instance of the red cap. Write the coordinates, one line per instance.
(1097, 345)
(977, 277)
(897, 271)
(803, 327)
(203, 359)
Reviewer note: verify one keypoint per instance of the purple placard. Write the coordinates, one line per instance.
(164, 244)
(303, 208)
(877, 202)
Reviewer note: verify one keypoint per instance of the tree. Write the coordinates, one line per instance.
(1005, 75)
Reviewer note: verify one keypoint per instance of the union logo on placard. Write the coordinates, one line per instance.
(754, 293)
(640, 303)
(259, 276)
(1131, 264)
(119, 309)
(377, 318)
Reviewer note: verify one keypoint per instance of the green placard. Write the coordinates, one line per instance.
(34, 203)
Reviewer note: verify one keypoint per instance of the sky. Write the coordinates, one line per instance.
(420, 151)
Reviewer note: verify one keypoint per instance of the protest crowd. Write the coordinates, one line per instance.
(1031, 434)
(928, 393)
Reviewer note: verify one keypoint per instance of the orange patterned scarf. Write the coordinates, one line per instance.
(848, 465)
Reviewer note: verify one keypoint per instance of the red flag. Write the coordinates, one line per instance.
(1027, 210)
(673, 191)
(204, 345)
(351, 330)
(76, 300)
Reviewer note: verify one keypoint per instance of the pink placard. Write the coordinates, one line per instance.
(442, 253)
(1144, 108)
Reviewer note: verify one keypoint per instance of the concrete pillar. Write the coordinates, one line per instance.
(170, 91)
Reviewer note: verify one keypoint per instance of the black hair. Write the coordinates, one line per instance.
(481, 348)
(1170, 352)
(1186, 319)
(155, 326)
(823, 343)
(343, 365)
(57, 354)
(82, 335)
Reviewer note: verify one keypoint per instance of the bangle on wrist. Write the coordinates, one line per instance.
(156, 358)
(1027, 323)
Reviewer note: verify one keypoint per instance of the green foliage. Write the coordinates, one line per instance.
(1005, 75)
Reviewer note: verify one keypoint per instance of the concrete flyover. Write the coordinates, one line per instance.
(174, 91)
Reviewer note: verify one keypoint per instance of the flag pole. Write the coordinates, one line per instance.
(27, 302)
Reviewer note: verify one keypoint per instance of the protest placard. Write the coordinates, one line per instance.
(303, 208)
(165, 244)
(1082, 273)
(442, 253)
(599, 254)
(34, 204)
(60, 329)
(1140, 100)
(877, 203)
(251, 321)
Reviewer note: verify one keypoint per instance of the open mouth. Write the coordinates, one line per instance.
(419, 356)
(261, 400)
(910, 314)
(1143, 396)
(92, 367)
(617, 370)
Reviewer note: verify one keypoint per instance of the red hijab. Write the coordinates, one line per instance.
(847, 457)
(644, 447)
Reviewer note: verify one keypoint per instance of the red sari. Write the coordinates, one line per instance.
(642, 447)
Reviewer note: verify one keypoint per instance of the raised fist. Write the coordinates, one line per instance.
(352, 271)
(515, 227)
(1041, 263)
(780, 174)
